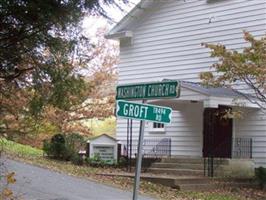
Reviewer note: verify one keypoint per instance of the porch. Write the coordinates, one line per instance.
(198, 129)
(161, 157)
(164, 148)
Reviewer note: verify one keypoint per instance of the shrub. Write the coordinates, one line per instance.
(122, 162)
(76, 159)
(96, 161)
(47, 148)
(261, 176)
(64, 147)
(56, 147)
(74, 142)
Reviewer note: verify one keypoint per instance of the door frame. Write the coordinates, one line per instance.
(210, 123)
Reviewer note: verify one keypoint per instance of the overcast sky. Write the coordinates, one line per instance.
(91, 24)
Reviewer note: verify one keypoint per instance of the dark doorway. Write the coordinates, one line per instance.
(217, 133)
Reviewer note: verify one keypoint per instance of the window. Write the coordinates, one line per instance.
(156, 127)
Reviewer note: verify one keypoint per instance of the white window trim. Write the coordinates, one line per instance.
(155, 130)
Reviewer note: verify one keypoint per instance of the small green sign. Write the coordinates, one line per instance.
(164, 89)
(147, 112)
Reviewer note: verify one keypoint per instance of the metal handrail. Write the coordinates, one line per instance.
(241, 149)
(152, 148)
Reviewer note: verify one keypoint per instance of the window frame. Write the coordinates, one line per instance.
(153, 129)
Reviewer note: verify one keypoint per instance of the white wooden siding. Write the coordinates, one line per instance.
(253, 125)
(167, 45)
(185, 130)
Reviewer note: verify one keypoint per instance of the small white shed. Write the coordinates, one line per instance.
(105, 146)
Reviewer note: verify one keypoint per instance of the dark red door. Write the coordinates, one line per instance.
(217, 133)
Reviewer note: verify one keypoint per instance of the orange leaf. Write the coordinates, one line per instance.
(10, 178)
(7, 192)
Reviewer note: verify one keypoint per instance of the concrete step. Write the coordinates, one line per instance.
(180, 172)
(188, 183)
(191, 180)
(192, 183)
(193, 161)
(175, 182)
(178, 165)
(183, 160)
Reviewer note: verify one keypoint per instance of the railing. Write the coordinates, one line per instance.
(157, 149)
(241, 149)
(152, 148)
(213, 160)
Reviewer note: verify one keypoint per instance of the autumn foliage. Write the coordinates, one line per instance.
(246, 68)
(63, 106)
(6, 180)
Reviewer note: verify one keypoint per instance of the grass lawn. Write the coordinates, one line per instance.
(98, 127)
(19, 149)
(35, 156)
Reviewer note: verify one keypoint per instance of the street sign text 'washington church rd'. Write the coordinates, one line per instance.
(164, 89)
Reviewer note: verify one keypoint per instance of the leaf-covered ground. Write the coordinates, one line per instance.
(34, 156)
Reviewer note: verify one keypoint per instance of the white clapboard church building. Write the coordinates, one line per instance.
(162, 40)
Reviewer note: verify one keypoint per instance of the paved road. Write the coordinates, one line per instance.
(35, 183)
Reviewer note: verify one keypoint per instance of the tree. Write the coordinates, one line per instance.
(42, 52)
(28, 28)
(247, 67)
(98, 75)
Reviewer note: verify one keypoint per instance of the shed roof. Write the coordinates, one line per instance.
(102, 135)
(212, 91)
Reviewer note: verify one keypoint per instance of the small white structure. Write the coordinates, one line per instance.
(104, 146)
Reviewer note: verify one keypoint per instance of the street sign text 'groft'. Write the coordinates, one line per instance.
(147, 112)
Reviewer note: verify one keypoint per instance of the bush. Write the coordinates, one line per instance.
(64, 147)
(122, 162)
(261, 176)
(46, 148)
(96, 161)
(76, 159)
(56, 147)
(74, 142)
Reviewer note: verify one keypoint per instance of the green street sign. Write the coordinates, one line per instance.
(147, 112)
(164, 89)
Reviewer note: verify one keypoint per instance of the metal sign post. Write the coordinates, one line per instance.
(139, 159)
(144, 112)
